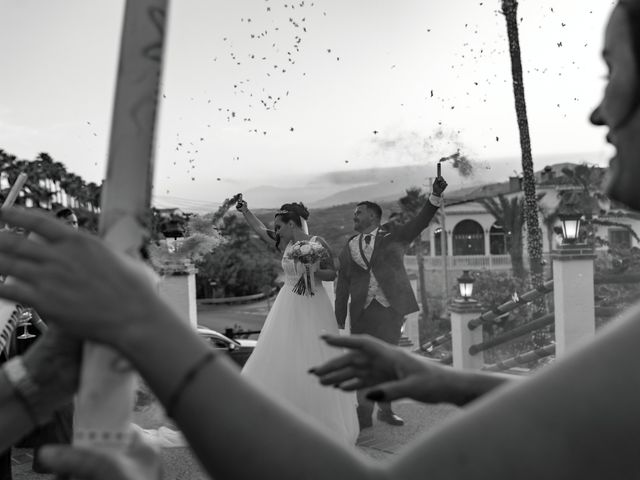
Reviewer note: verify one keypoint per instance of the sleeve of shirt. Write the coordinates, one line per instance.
(435, 200)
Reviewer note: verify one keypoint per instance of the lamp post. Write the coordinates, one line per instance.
(463, 310)
(573, 290)
(465, 283)
(570, 227)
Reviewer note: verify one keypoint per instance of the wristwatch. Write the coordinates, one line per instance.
(27, 390)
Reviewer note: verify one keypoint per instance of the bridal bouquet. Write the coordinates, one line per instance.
(306, 253)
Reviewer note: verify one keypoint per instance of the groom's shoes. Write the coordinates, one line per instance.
(387, 416)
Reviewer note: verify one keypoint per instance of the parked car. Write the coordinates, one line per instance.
(239, 350)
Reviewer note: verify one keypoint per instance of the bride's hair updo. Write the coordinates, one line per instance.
(293, 211)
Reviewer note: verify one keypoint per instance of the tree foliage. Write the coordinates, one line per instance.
(588, 200)
(241, 265)
(509, 213)
(50, 186)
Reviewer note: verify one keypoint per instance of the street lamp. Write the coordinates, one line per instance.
(465, 283)
(570, 227)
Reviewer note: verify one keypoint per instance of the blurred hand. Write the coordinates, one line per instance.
(388, 372)
(53, 362)
(140, 461)
(73, 279)
(439, 186)
(242, 206)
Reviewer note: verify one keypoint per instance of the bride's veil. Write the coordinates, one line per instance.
(304, 226)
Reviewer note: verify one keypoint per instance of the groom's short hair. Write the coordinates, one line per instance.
(374, 207)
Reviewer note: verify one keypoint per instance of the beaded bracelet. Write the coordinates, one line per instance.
(186, 379)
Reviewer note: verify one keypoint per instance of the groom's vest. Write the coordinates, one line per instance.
(358, 247)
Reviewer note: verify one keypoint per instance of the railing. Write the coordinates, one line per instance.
(469, 343)
(522, 359)
(517, 332)
(470, 262)
(436, 342)
(515, 302)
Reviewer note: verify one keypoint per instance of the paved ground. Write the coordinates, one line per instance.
(381, 442)
(249, 316)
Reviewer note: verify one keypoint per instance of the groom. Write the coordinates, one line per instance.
(372, 273)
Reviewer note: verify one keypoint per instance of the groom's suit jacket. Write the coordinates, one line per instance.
(387, 265)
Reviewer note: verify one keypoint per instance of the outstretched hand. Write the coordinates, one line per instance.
(73, 279)
(388, 372)
(241, 205)
(439, 186)
(141, 461)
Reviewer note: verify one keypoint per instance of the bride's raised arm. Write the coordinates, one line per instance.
(263, 232)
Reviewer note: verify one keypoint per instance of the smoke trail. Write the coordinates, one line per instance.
(461, 163)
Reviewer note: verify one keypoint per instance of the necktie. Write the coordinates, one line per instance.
(367, 239)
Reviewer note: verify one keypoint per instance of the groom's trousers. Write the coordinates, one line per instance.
(383, 323)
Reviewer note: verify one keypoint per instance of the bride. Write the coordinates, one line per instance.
(289, 343)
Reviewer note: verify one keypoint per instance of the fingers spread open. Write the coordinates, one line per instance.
(354, 342)
(34, 221)
(17, 268)
(19, 292)
(338, 363)
(339, 376)
(354, 384)
(23, 247)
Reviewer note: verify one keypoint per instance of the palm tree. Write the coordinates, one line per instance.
(534, 234)
(509, 214)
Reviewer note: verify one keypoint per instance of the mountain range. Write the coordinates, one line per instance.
(377, 184)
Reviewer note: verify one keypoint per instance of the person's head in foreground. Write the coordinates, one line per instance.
(619, 109)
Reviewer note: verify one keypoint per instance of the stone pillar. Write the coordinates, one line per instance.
(178, 287)
(487, 243)
(450, 244)
(573, 296)
(462, 337)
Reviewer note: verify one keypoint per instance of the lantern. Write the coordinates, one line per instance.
(465, 282)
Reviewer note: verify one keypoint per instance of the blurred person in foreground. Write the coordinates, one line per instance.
(576, 419)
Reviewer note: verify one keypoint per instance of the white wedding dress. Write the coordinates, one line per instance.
(289, 345)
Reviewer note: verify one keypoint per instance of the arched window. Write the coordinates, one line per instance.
(499, 240)
(468, 238)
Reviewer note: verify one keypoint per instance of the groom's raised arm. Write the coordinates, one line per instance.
(343, 287)
(410, 230)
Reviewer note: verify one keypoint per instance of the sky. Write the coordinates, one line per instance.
(258, 92)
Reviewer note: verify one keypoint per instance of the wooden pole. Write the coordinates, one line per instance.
(105, 400)
(15, 190)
